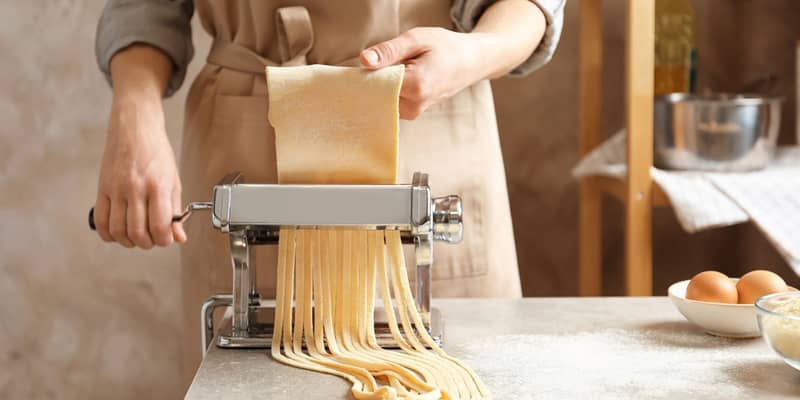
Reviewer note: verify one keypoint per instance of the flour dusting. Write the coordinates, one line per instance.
(618, 364)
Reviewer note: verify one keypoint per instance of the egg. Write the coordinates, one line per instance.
(755, 284)
(712, 286)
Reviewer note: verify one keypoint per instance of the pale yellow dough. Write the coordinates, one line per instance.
(343, 120)
(340, 125)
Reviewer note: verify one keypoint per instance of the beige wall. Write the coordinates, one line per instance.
(80, 319)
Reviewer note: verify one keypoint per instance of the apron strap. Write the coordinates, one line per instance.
(295, 34)
(295, 37)
(237, 57)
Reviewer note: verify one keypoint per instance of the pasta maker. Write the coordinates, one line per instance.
(253, 214)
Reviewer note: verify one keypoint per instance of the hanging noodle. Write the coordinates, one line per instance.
(324, 271)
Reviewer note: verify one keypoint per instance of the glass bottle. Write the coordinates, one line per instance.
(675, 52)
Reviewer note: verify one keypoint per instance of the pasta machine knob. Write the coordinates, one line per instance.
(447, 215)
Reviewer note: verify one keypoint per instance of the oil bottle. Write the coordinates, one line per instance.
(675, 51)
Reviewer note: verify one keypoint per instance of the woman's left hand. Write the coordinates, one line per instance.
(439, 63)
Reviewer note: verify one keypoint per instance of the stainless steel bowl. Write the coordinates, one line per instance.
(715, 132)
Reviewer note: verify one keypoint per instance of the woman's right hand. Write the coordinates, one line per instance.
(139, 188)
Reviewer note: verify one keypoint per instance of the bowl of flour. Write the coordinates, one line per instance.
(779, 322)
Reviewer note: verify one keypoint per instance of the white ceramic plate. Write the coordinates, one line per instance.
(719, 319)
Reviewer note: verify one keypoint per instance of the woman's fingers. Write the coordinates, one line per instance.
(138, 231)
(394, 51)
(102, 206)
(414, 87)
(410, 109)
(117, 222)
(438, 64)
(414, 94)
(137, 222)
(159, 213)
(179, 234)
(422, 81)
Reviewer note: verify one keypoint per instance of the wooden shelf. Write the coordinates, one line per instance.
(617, 188)
(636, 190)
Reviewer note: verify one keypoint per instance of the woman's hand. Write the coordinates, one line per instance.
(139, 189)
(440, 62)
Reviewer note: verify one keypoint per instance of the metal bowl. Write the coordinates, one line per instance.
(718, 132)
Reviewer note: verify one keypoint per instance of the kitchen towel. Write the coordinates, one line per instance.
(704, 200)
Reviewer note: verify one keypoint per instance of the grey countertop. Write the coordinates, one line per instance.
(549, 348)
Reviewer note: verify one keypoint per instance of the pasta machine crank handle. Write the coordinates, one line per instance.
(232, 178)
(182, 217)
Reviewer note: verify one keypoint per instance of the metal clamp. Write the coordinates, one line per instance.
(207, 318)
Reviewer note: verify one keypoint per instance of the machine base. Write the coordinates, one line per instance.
(260, 333)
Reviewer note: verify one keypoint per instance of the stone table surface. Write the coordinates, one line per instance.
(549, 348)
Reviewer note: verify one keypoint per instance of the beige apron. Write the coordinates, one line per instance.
(226, 129)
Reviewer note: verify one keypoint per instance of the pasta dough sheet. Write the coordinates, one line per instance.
(340, 125)
(335, 124)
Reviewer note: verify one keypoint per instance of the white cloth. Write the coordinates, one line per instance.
(704, 200)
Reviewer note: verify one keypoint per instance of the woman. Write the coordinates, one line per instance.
(448, 131)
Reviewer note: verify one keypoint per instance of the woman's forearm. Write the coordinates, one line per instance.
(140, 73)
(139, 187)
(508, 32)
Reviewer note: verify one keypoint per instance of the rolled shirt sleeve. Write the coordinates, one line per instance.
(466, 13)
(164, 24)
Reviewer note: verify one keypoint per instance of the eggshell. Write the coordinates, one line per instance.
(712, 286)
(755, 284)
